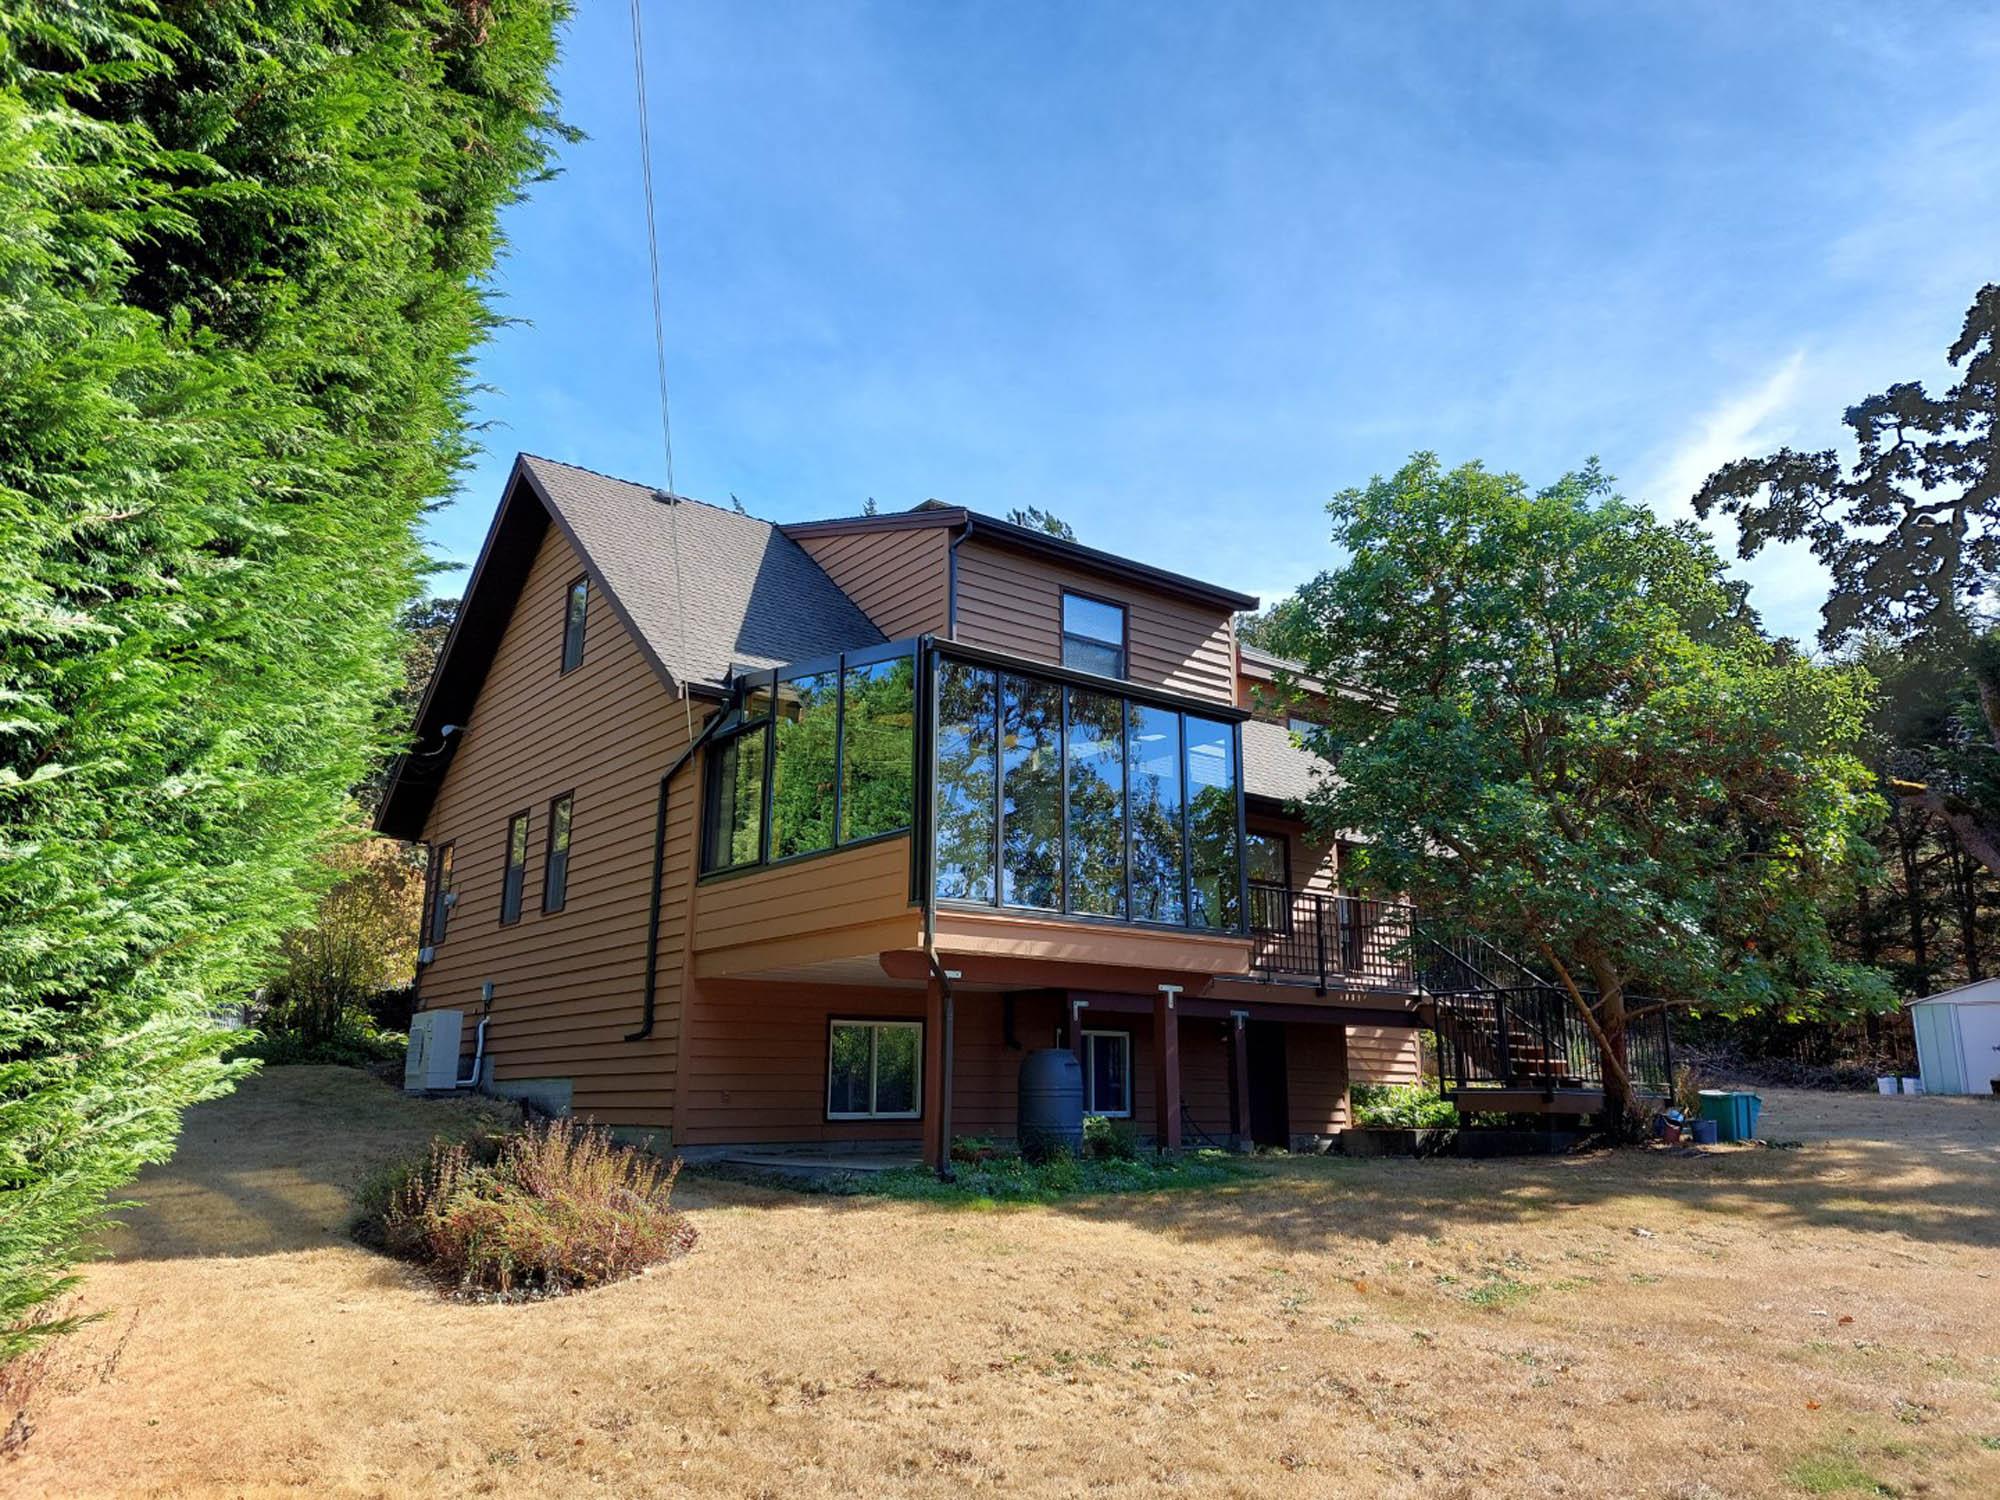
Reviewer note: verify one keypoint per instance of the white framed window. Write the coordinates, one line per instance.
(1107, 1073)
(874, 1070)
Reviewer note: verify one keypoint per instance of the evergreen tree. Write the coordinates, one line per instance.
(242, 269)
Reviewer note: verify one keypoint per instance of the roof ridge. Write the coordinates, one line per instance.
(653, 489)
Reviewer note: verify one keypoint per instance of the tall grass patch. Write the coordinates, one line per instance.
(556, 1207)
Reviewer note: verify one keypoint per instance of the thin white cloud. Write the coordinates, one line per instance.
(1749, 422)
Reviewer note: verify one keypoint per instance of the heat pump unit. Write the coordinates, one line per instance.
(432, 1061)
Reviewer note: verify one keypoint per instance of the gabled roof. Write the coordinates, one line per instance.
(743, 596)
(1038, 544)
(748, 596)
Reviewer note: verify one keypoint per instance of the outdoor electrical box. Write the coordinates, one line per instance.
(432, 1060)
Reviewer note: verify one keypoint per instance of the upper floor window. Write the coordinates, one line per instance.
(1093, 635)
(575, 613)
(1298, 724)
(517, 868)
(437, 911)
(555, 870)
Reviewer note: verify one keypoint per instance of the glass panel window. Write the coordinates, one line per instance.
(1107, 1073)
(1153, 770)
(803, 765)
(1299, 725)
(1212, 839)
(733, 815)
(966, 794)
(555, 871)
(576, 611)
(517, 868)
(1031, 803)
(1093, 635)
(1267, 859)
(878, 727)
(874, 1070)
(1096, 804)
(443, 897)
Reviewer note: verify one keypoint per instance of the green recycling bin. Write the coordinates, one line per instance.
(1734, 1112)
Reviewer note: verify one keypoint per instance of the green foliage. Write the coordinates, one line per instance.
(1105, 1139)
(556, 1208)
(1585, 747)
(1011, 1179)
(1036, 519)
(241, 274)
(1401, 1106)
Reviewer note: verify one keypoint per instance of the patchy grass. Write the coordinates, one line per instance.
(1286, 1331)
(1009, 1179)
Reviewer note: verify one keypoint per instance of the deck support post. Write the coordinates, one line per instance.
(1167, 1069)
(937, 1075)
(1239, 1082)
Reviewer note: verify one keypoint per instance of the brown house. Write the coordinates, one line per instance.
(774, 835)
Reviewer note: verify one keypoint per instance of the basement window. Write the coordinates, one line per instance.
(1107, 1073)
(874, 1070)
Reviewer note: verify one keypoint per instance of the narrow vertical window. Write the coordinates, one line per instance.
(965, 774)
(437, 913)
(1096, 804)
(555, 871)
(1213, 849)
(575, 613)
(517, 868)
(1153, 779)
(1031, 786)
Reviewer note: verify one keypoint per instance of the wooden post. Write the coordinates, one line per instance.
(1239, 1082)
(937, 1068)
(1167, 1069)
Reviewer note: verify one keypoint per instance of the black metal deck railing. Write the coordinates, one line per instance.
(1531, 1036)
(1329, 940)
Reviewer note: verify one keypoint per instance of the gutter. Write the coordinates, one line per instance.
(659, 873)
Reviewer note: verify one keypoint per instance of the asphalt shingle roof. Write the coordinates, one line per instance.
(750, 596)
(1275, 767)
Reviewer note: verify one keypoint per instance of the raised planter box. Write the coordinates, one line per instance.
(1373, 1142)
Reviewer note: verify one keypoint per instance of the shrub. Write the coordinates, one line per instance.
(1106, 1139)
(555, 1208)
(1401, 1106)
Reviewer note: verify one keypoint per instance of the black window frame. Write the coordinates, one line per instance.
(1091, 1036)
(1065, 634)
(513, 891)
(767, 681)
(555, 889)
(1283, 903)
(439, 894)
(576, 624)
(875, 1024)
(1185, 708)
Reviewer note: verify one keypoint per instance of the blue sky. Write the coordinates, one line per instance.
(1179, 272)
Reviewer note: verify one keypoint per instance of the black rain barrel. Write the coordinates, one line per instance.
(1051, 1104)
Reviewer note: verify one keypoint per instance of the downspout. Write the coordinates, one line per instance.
(659, 873)
(927, 896)
(951, 582)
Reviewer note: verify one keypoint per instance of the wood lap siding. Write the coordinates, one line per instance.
(1010, 602)
(1382, 1054)
(568, 985)
(817, 894)
(901, 579)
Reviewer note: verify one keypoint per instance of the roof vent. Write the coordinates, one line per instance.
(666, 497)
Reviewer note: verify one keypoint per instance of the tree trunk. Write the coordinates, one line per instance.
(1611, 1023)
(1964, 873)
(1909, 835)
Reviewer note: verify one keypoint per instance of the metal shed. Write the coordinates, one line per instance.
(1958, 1039)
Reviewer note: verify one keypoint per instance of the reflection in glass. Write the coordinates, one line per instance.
(964, 809)
(1212, 845)
(732, 820)
(1153, 757)
(802, 769)
(1096, 804)
(1030, 792)
(878, 722)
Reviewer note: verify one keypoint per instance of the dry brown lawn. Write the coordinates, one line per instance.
(1744, 1321)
